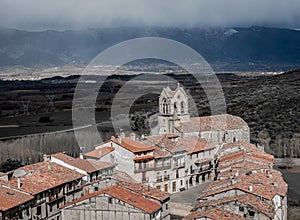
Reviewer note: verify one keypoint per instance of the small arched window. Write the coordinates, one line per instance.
(182, 107)
(175, 107)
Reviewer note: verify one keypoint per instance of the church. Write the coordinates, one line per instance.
(174, 117)
(181, 153)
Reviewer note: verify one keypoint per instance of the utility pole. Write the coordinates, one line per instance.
(25, 103)
(50, 100)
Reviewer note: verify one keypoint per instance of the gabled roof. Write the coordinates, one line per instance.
(187, 144)
(132, 145)
(170, 93)
(124, 195)
(146, 191)
(214, 214)
(213, 122)
(11, 198)
(43, 176)
(100, 152)
(265, 184)
(89, 166)
(246, 199)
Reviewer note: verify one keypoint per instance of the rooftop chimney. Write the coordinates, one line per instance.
(163, 147)
(19, 182)
(122, 134)
(81, 155)
(250, 188)
(132, 136)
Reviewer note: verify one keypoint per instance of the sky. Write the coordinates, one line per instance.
(76, 14)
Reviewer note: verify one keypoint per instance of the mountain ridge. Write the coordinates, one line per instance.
(234, 48)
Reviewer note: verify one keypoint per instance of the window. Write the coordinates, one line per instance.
(182, 107)
(96, 188)
(50, 208)
(241, 209)
(177, 174)
(251, 213)
(110, 200)
(181, 182)
(70, 186)
(39, 210)
(167, 206)
(174, 186)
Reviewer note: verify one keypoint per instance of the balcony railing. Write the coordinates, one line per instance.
(142, 169)
(178, 165)
(162, 166)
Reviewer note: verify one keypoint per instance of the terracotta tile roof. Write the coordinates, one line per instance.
(214, 122)
(43, 176)
(122, 176)
(144, 157)
(98, 153)
(11, 198)
(145, 190)
(214, 214)
(242, 157)
(194, 144)
(241, 167)
(86, 165)
(246, 199)
(265, 184)
(132, 145)
(238, 145)
(159, 153)
(124, 195)
(99, 165)
(188, 144)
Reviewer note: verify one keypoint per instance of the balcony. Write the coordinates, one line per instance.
(54, 198)
(178, 165)
(166, 177)
(163, 166)
(159, 179)
(143, 169)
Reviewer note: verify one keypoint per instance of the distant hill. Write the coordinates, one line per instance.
(253, 48)
(271, 108)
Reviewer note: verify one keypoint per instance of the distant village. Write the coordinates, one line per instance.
(132, 177)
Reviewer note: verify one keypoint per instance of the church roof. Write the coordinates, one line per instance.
(213, 122)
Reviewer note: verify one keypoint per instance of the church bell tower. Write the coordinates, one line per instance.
(173, 109)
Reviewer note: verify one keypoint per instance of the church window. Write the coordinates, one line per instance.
(175, 107)
(182, 107)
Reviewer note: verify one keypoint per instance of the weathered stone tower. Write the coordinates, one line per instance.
(173, 109)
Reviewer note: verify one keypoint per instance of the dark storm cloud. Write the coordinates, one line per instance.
(66, 14)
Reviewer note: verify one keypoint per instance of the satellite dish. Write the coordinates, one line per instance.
(19, 173)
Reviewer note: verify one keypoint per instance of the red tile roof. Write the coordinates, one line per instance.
(265, 184)
(43, 176)
(124, 195)
(11, 198)
(144, 157)
(214, 214)
(240, 145)
(98, 153)
(246, 199)
(188, 144)
(132, 145)
(214, 122)
(86, 165)
(145, 190)
(122, 176)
